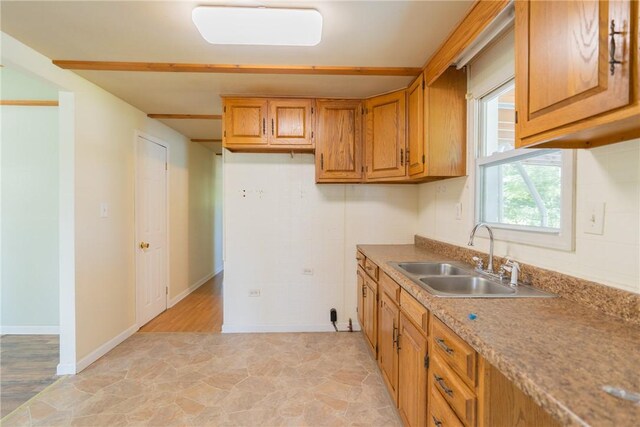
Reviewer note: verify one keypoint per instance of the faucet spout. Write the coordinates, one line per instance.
(490, 231)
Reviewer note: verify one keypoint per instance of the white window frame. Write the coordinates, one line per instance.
(564, 239)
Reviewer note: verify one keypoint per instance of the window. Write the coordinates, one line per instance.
(526, 194)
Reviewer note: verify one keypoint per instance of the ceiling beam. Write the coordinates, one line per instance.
(186, 116)
(235, 68)
(205, 140)
(29, 103)
(481, 14)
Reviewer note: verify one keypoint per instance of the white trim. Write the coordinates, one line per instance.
(29, 330)
(105, 348)
(324, 327)
(140, 134)
(66, 369)
(182, 295)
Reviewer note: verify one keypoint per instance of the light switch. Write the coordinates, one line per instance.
(104, 210)
(594, 218)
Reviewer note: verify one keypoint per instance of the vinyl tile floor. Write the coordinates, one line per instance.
(201, 379)
(27, 366)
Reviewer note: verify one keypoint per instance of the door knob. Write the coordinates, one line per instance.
(144, 245)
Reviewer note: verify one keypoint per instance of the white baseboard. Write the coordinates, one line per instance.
(66, 369)
(325, 327)
(105, 348)
(182, 295)
(30, 330)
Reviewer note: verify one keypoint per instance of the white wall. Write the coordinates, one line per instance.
(217, 215)
(279, 222)
(104, 142)
(608, 174)
(29, 290)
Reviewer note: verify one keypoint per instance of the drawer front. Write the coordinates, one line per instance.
(457, 353)
(440, 413)
(390, 287)
(371, 268)
(361, 258)
(414, 310)
(453, 390)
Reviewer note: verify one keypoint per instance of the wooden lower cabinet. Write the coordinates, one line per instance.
(361, 291)
(412, 373)
(388, 327)
(440, 413)
(370, 313)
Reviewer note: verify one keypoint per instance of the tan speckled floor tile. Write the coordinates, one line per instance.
(197, 379)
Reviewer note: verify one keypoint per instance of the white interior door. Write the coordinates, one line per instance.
(151, 229)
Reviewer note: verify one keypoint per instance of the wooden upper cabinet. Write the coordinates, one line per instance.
(245, 121)
(339, 141)
(415, 126)
(291, 122)
(575, 61)
(385, 140)
(261, 124)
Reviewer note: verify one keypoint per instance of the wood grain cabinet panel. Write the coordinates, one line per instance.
(415, 126)
(460, 397)
(385, 140)
(412, 373)
(440, 413)
(339, 141)
(370, 313)
(291, 122)
(245, 122)
(576, 63)
(388, 330)
(360, 274)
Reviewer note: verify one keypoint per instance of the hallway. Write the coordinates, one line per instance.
(200, 311)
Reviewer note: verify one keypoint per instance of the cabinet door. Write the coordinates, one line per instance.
(388, 327)
(361, 291)
(290, 122)
(563, 54)
(245, 121)
(339, 141)
(370, 314)
(412, 381)
(385, 140)
(415, 126)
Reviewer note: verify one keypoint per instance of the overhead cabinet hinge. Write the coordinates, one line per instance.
(424, 159)
(426, 361)
(311, 110)
(516, 117)
(423, 85)
(225, 133)
(224, 109)
(311, 134)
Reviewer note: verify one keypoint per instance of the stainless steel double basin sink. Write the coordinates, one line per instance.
(457, 281)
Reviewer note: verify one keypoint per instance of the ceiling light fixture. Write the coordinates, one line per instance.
(258, 26)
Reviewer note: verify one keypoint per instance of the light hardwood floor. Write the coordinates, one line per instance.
(201, 311)
(27, 366)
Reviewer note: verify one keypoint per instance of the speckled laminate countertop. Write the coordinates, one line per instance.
(558, 352)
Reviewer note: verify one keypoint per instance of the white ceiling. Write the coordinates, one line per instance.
(355, 33)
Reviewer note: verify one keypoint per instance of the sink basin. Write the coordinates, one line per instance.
(431, 269)
(466, 286)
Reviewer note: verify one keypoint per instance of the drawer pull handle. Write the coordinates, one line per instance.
(443, 385)
(444, 346)
(436, 421)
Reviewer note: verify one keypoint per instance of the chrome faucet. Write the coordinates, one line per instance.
(473, 234)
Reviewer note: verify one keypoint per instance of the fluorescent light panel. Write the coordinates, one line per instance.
(258, 26)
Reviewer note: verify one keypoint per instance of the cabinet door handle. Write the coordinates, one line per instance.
(264, 126)
(272, 127)
(612, 47)
(364, 291)
(401, 157)
(443, 385)
(436, 421)
(322, 161)
(444, 346)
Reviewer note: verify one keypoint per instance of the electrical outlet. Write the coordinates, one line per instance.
(458, 210)
(254, 292)
(104, 210)
(594, 218)
(307, 271)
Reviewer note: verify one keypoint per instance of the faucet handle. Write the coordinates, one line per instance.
(478, 262)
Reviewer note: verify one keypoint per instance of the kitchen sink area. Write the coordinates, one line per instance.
(455, 280)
